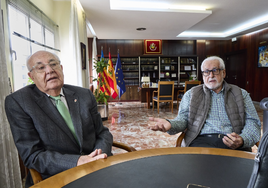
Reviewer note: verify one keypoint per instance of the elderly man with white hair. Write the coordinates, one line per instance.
(215, 114)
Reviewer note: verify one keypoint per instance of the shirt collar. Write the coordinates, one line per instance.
(61, 93)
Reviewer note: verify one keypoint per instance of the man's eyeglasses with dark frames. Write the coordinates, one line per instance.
(214, 72)
(42, 67)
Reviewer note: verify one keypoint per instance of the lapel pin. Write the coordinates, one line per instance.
(75, 100)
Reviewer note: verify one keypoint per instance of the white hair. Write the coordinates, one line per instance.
(222, 65)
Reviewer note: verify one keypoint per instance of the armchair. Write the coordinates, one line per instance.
(165, 93)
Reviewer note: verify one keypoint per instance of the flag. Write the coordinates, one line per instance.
(119, 77)
(105, 88)
(112, 79)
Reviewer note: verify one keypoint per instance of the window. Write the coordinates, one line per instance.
(30, 31)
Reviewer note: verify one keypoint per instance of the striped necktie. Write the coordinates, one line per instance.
(65, 114)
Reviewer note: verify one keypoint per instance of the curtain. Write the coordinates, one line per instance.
(84, 25)
(75, 44)
(10, 169)
(94, 56)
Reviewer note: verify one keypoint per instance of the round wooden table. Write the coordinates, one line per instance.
(165, 167)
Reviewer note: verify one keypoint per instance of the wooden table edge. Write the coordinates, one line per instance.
(68, 176)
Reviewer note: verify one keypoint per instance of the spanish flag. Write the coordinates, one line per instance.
(111, 77)
(105, 88)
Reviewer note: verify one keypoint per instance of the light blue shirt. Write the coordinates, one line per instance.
(217, 120)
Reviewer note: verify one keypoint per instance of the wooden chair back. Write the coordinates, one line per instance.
(165, 93)
(188, 85)
(165, 90)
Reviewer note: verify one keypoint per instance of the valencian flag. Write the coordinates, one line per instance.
(120, 77)
(105, 87)
(111, 77)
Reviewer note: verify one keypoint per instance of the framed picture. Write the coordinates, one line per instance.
(83, 55)
(167, 68)
(152, 46)
(187, 67)
(263, 56)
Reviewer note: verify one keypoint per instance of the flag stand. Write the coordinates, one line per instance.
(119, 78)
(119, 103)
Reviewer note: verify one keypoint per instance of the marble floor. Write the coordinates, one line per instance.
(128, 122)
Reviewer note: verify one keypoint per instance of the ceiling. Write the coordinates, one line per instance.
(221, 17)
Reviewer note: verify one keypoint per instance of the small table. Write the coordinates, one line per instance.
(147, 92)
(165, 167)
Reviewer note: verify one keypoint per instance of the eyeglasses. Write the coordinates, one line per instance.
(42, 67)
(214, 72)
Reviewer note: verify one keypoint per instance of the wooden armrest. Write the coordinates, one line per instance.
(257, 144)
(36, 176)
(180, 91)
(179, 140)
(123, 146)
(154, 93)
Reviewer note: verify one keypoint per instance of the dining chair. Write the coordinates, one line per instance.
(188, 85)
(36, 176)
(165, 93)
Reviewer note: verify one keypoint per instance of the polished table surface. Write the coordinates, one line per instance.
(165, 167)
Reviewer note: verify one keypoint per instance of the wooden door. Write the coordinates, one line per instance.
(235, 65)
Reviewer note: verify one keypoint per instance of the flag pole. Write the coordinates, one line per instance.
(119, 98)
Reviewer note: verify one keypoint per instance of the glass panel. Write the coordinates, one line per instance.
(21, 47)
(36, 31)
(18, 22)
(49, 38)
(36, 48)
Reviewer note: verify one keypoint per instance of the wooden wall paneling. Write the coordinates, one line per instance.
(261, 72)
(263, 37)
(201, 54)
(178, 47)
(130, 48)
(255, 75)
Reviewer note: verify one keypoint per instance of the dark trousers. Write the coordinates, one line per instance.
(212, 142)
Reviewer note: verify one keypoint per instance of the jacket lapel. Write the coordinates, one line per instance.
(73, 104)
(51, 112)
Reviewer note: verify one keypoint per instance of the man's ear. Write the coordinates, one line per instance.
(31, 76)
(224, 73)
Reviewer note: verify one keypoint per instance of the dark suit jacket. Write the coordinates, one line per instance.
(42, 137)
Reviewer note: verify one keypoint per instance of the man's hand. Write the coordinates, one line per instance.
(158, 124)
(95, 155)
(233, 140)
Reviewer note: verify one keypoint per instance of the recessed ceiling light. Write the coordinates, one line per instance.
(141, 29)
(139, 5)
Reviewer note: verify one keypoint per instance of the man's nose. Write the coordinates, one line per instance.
(211, 74)
(49, 69)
